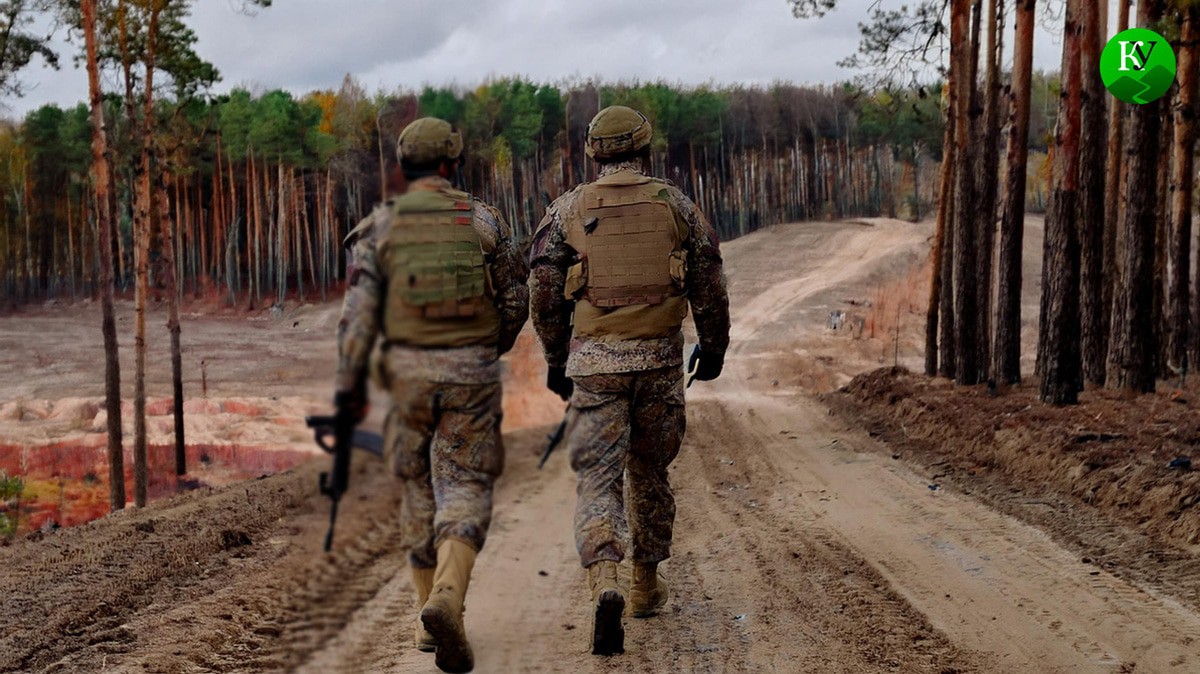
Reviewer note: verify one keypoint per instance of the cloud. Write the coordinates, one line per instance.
(690, 42)
(302, 45)
(308, 44)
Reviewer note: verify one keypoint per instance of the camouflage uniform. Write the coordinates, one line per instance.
(628, 402)
(442, 434)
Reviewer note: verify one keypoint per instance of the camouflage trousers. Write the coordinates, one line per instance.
(626, 431)
(443, 441)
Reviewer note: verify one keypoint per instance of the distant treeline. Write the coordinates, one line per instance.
(261, 187)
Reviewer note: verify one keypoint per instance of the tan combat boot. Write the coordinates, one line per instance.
(648, 592)
(608, 637)
(443, 612)
(423, 581)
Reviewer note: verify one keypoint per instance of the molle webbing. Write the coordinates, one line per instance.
(438, 293)
(443, 263)
(630, 234)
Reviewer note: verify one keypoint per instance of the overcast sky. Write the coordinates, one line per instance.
(303, 45)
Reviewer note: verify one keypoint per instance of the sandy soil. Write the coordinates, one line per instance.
(801, 544)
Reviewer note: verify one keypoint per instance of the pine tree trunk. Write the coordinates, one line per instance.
(108, 325)
(254, 190)
(1060, 336)
(936, 287)
(251, 234)
(1162, 217)
(1132, 349)
(1182, 180)
(30, 287)
(988, 169)
(167, 242)
(1093, 310)
(131, 129)
(179, 225)
(142, 236)
(326, 220)
(298, 227)
(947, 351)
(281, 236)
(916, 169)
(965, 227)
(233, 269)
(70, 248)
(1114, 168)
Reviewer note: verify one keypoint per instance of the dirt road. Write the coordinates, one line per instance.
(801, 544)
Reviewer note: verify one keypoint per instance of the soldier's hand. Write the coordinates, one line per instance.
(558, 381)
(353, 404)
(709, 366)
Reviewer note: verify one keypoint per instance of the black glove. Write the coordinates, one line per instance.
(352, 404)
(558, 381)
(708, 365)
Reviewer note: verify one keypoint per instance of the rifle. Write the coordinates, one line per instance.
(555, 438)
(345, 439)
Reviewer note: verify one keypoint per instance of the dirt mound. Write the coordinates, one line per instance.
(127, 561)
(1117, 454)
(74, 409)
(886, 385)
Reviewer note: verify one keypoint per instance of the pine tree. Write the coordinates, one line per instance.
(1093, 310)
(1059, 339)
(1182, 183)
(1006, 354)
(965, 54)
(1132, 349)
(100, 183)
(989, 167)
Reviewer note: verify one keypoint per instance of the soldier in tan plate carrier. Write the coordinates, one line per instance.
(616, 264)
(436, 275)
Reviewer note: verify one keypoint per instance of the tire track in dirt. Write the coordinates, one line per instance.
(815, 606)
(987, 580)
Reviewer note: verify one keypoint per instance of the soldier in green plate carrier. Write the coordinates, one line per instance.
(435, 274)
(616, 264)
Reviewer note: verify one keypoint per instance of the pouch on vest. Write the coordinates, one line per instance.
(679, 269)
(576, 280)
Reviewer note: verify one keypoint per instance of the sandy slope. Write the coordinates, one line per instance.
(800, 545)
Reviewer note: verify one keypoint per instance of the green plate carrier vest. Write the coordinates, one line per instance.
(439, 291)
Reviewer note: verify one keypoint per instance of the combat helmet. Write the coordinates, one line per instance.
(617, 130)
(428, 140)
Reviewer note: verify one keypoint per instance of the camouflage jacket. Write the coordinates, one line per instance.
(551, 257)
(363, 305)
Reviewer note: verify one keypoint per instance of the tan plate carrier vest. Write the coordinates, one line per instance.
(439, 290)
(629, 282)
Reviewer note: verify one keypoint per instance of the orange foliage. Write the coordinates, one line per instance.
(67, 484)
(327, 100)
